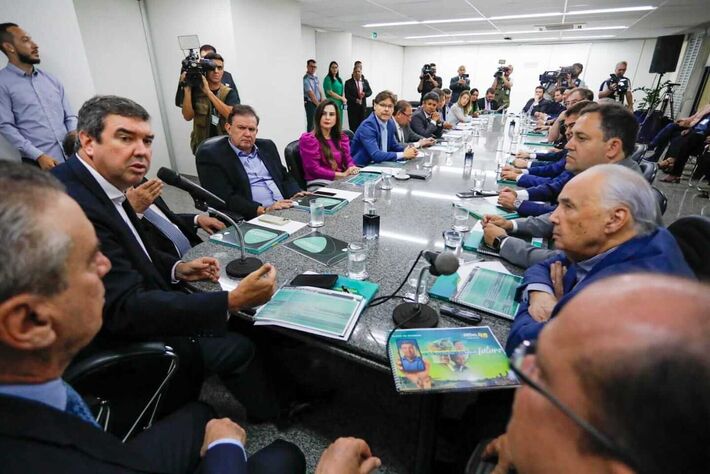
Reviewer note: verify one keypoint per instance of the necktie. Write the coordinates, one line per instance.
(383, 138)
(77, 407)
(401, 135)
(169, 230)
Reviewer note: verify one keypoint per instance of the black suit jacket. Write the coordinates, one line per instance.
(140, 301)
(422, 126)
(156, 239)
(38, 438)
(351, 92)
(482, 104)
(221, 172)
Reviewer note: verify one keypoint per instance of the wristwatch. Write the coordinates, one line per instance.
(517, 203)
(498, 241)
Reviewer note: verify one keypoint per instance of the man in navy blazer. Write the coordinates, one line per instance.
(427, 121)
(143, 299)
(244, 171)
(376, 138)
(607, 223)
(51, 300)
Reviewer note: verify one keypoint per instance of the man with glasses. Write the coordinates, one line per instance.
(402, 117)
(209, 106)
(607, 223)
(376, 138)
(615, 394)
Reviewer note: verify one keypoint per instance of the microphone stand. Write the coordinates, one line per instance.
(415, 315)
(239, 267)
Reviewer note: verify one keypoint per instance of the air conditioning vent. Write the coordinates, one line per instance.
(560, 27)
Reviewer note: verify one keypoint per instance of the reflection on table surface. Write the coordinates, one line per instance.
(414, 213)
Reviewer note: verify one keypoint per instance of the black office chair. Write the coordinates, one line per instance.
(693, 236)
(349, 133)
(293, 163)
(639, 151)
(649, 170)
(661, 198)
(124, 386)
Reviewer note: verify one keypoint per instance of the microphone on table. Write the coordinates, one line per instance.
(416, 315)
(237, 268)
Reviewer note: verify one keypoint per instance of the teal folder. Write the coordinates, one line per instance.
(257, 239)
(480, 207)
(539, 144)
(330, 204)
(366, 289)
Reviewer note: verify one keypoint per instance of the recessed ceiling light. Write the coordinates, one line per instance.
(612, 10)
(521, 32)
(453, 20)
(396, 23)
(586, 37)
(531, 15)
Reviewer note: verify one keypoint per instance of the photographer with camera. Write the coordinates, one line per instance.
(617, 87)
(207, 102)
(227, 78)
(502, 85)
(567, 77)
(459, 83)
(428, 80)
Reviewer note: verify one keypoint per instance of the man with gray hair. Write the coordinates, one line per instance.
(617, 87)
(607, 223)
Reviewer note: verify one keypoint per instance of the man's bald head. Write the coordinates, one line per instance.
(639, 347)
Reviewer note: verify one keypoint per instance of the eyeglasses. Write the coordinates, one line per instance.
(385, 106)
(528, 348)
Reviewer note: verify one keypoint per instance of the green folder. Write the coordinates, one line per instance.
(320, 247)
(547, 144)
(366, 289)
(257, 239)
(480, 207)
(361, 178)
(535, 134)
(331, 205)
(507, 182)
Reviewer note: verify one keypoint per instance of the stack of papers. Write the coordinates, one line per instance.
(291, 227)
(350, 196)
(326, 313)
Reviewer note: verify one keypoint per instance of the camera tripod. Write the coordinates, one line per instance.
(666, 100)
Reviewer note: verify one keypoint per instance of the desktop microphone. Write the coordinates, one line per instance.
(415, 315)
(237, 268)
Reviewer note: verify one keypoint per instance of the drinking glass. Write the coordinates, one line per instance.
(386, 181)
(479, 177)
(357, 261)
(452, 241)
(461, 219)
(369, 191)
(317, 214)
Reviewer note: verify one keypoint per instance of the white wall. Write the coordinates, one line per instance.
(118, 58)
(481, 61)
(211, 20)
(379, 61)
(54, 27)
(272, 66)
(308, 44)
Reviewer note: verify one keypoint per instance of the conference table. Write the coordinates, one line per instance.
(413, 215)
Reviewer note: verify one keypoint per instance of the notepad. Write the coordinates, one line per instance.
(257, 239)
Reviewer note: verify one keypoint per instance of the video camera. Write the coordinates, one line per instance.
(427, 69)
(563, 75)
(501, 70)
(622, 83)
(193, 66)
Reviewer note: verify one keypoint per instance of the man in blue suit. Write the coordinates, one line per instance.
(607, 223)
(376, 138)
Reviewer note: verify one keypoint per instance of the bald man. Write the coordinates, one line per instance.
(640, 381)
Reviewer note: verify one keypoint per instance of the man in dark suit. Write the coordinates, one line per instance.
(166, 231)
(51, 300)
(426, 121)
(357, 90)
(488, 103)
(142, 299)
(244, 171)
(402, 118)
(376, 138)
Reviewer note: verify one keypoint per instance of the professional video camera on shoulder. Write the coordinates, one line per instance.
(501, 70)
(427, 69)
(193, 65)
(561, 78)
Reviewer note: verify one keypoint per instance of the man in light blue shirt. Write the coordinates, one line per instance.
(35, 115)
(312, 92)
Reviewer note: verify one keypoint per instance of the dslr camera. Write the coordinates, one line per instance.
(622, 84)
(195, 67)
(501, 70)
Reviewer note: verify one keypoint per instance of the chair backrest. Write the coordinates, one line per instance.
(639, 150)
(693, 236)
(294, 164)
(661, 198)
(349, 133)
(649, 170)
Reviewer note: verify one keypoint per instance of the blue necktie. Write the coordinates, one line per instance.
(169, 230)
(77, 407)
(383, 138)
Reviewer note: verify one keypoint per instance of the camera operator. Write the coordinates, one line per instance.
(208, 105)
(227, 78)
(567, 78)
(502, 85)
(617, 87)
(428, 80)
(459, 83)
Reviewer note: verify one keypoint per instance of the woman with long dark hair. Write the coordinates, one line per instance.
(325, 152)
(333, 88)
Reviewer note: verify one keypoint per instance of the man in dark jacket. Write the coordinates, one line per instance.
(357, 90)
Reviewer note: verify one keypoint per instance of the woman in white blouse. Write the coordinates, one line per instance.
(461, 110)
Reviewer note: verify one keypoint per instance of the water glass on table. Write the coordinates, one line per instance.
(479, 177)
(357, 261)
(452, 241)
(317, 218)
(461, 219)
(369, 191)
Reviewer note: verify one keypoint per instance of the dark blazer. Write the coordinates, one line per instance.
(421, 125)
(43, 439)
(140, 300)
(222, 173)
(540, 107)
(654, 253)
(482, 104)
(365, 146)
(351, 92)
(184, 222)
(410, 136)
(457, 89)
